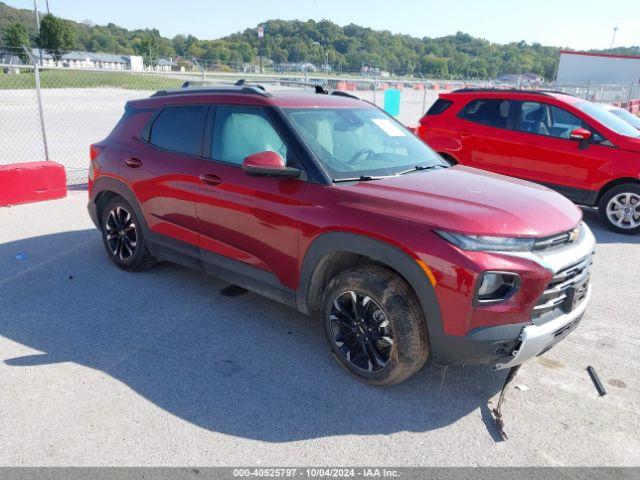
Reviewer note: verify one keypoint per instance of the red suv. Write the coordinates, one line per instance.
(570, 145)
(325, 203)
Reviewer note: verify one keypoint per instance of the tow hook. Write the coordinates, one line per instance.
(497, 412)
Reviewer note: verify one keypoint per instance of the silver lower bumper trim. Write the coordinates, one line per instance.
(535, 339)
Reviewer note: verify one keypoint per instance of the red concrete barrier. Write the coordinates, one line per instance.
(31, 182)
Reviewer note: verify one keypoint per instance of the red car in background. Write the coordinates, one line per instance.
(575, 147)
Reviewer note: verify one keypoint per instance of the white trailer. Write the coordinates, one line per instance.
(597, 68)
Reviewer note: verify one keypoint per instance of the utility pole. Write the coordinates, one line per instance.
(261, 44)
(613, 38)
(48, 12)
(35, 9)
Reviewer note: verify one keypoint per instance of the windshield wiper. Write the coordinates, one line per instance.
(361, 178)
(419, 168)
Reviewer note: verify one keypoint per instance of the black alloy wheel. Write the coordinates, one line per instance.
(121, 233)
(361, 331)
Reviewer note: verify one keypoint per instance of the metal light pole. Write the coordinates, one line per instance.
(48, 11)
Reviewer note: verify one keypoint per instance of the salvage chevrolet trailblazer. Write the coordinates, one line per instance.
(327, 204)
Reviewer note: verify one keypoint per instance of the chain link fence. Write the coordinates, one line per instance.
(21, 136)
(81, 105)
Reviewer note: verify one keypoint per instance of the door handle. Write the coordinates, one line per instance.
(133, 162)
(210, 179)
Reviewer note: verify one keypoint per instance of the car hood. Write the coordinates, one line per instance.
(467, 200)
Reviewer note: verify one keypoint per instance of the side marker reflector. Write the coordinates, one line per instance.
(428, 272)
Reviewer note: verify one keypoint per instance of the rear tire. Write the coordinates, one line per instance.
(619, 208)
(374, 325)
(123, 237)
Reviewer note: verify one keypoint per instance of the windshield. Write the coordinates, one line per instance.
(627, 116)
(608, 119)
(353, 143)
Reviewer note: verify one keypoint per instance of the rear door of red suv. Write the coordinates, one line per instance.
(470, 130)
(161, 169)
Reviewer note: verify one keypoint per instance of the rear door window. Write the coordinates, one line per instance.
(180, 129)
(489, 112)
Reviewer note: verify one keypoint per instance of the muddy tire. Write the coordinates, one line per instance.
(374, 325)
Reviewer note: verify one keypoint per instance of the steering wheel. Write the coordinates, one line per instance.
(363, 151)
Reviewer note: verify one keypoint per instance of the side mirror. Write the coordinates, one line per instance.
(268, 164)
(581, 135)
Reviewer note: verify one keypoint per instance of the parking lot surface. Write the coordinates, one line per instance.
(99, 367)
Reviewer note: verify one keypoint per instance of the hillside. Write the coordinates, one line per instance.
(347, 48)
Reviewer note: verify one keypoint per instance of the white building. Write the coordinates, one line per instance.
(78, 59)
(597, 68)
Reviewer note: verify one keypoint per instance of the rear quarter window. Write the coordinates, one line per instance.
(439, 106)
(180, 129)
(489, 112)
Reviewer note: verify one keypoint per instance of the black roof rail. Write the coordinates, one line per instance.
(223, 89)
(318, 88)
(509, 90)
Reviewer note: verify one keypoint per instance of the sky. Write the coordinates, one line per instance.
(576, 24)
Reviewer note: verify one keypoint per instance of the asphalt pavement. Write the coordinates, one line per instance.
(99, 367)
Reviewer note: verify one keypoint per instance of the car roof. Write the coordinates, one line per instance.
(254, 95)
(510, 93)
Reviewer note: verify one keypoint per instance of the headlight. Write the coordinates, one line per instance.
(497, 286)
(488, 243)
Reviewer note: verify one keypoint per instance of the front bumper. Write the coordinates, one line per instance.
(543, 319)
(537, 339)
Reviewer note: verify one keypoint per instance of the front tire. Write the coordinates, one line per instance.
(619, 208)
(123, 237)
(374, 325)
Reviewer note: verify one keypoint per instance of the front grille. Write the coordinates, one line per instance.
(567, 289)
(557, 240)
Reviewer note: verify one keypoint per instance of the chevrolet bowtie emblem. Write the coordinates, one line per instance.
(573, 235)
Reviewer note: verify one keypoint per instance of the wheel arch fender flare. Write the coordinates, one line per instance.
(614, 183)
(319, 253)
(113, 185)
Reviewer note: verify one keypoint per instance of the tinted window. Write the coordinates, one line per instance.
(239, 132)
(493, 113)
(180, 129)
(439, 106)
(544, 119)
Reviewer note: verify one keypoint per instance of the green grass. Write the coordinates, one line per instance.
(84, 79)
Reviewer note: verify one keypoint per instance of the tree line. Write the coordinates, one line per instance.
(347, 48)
